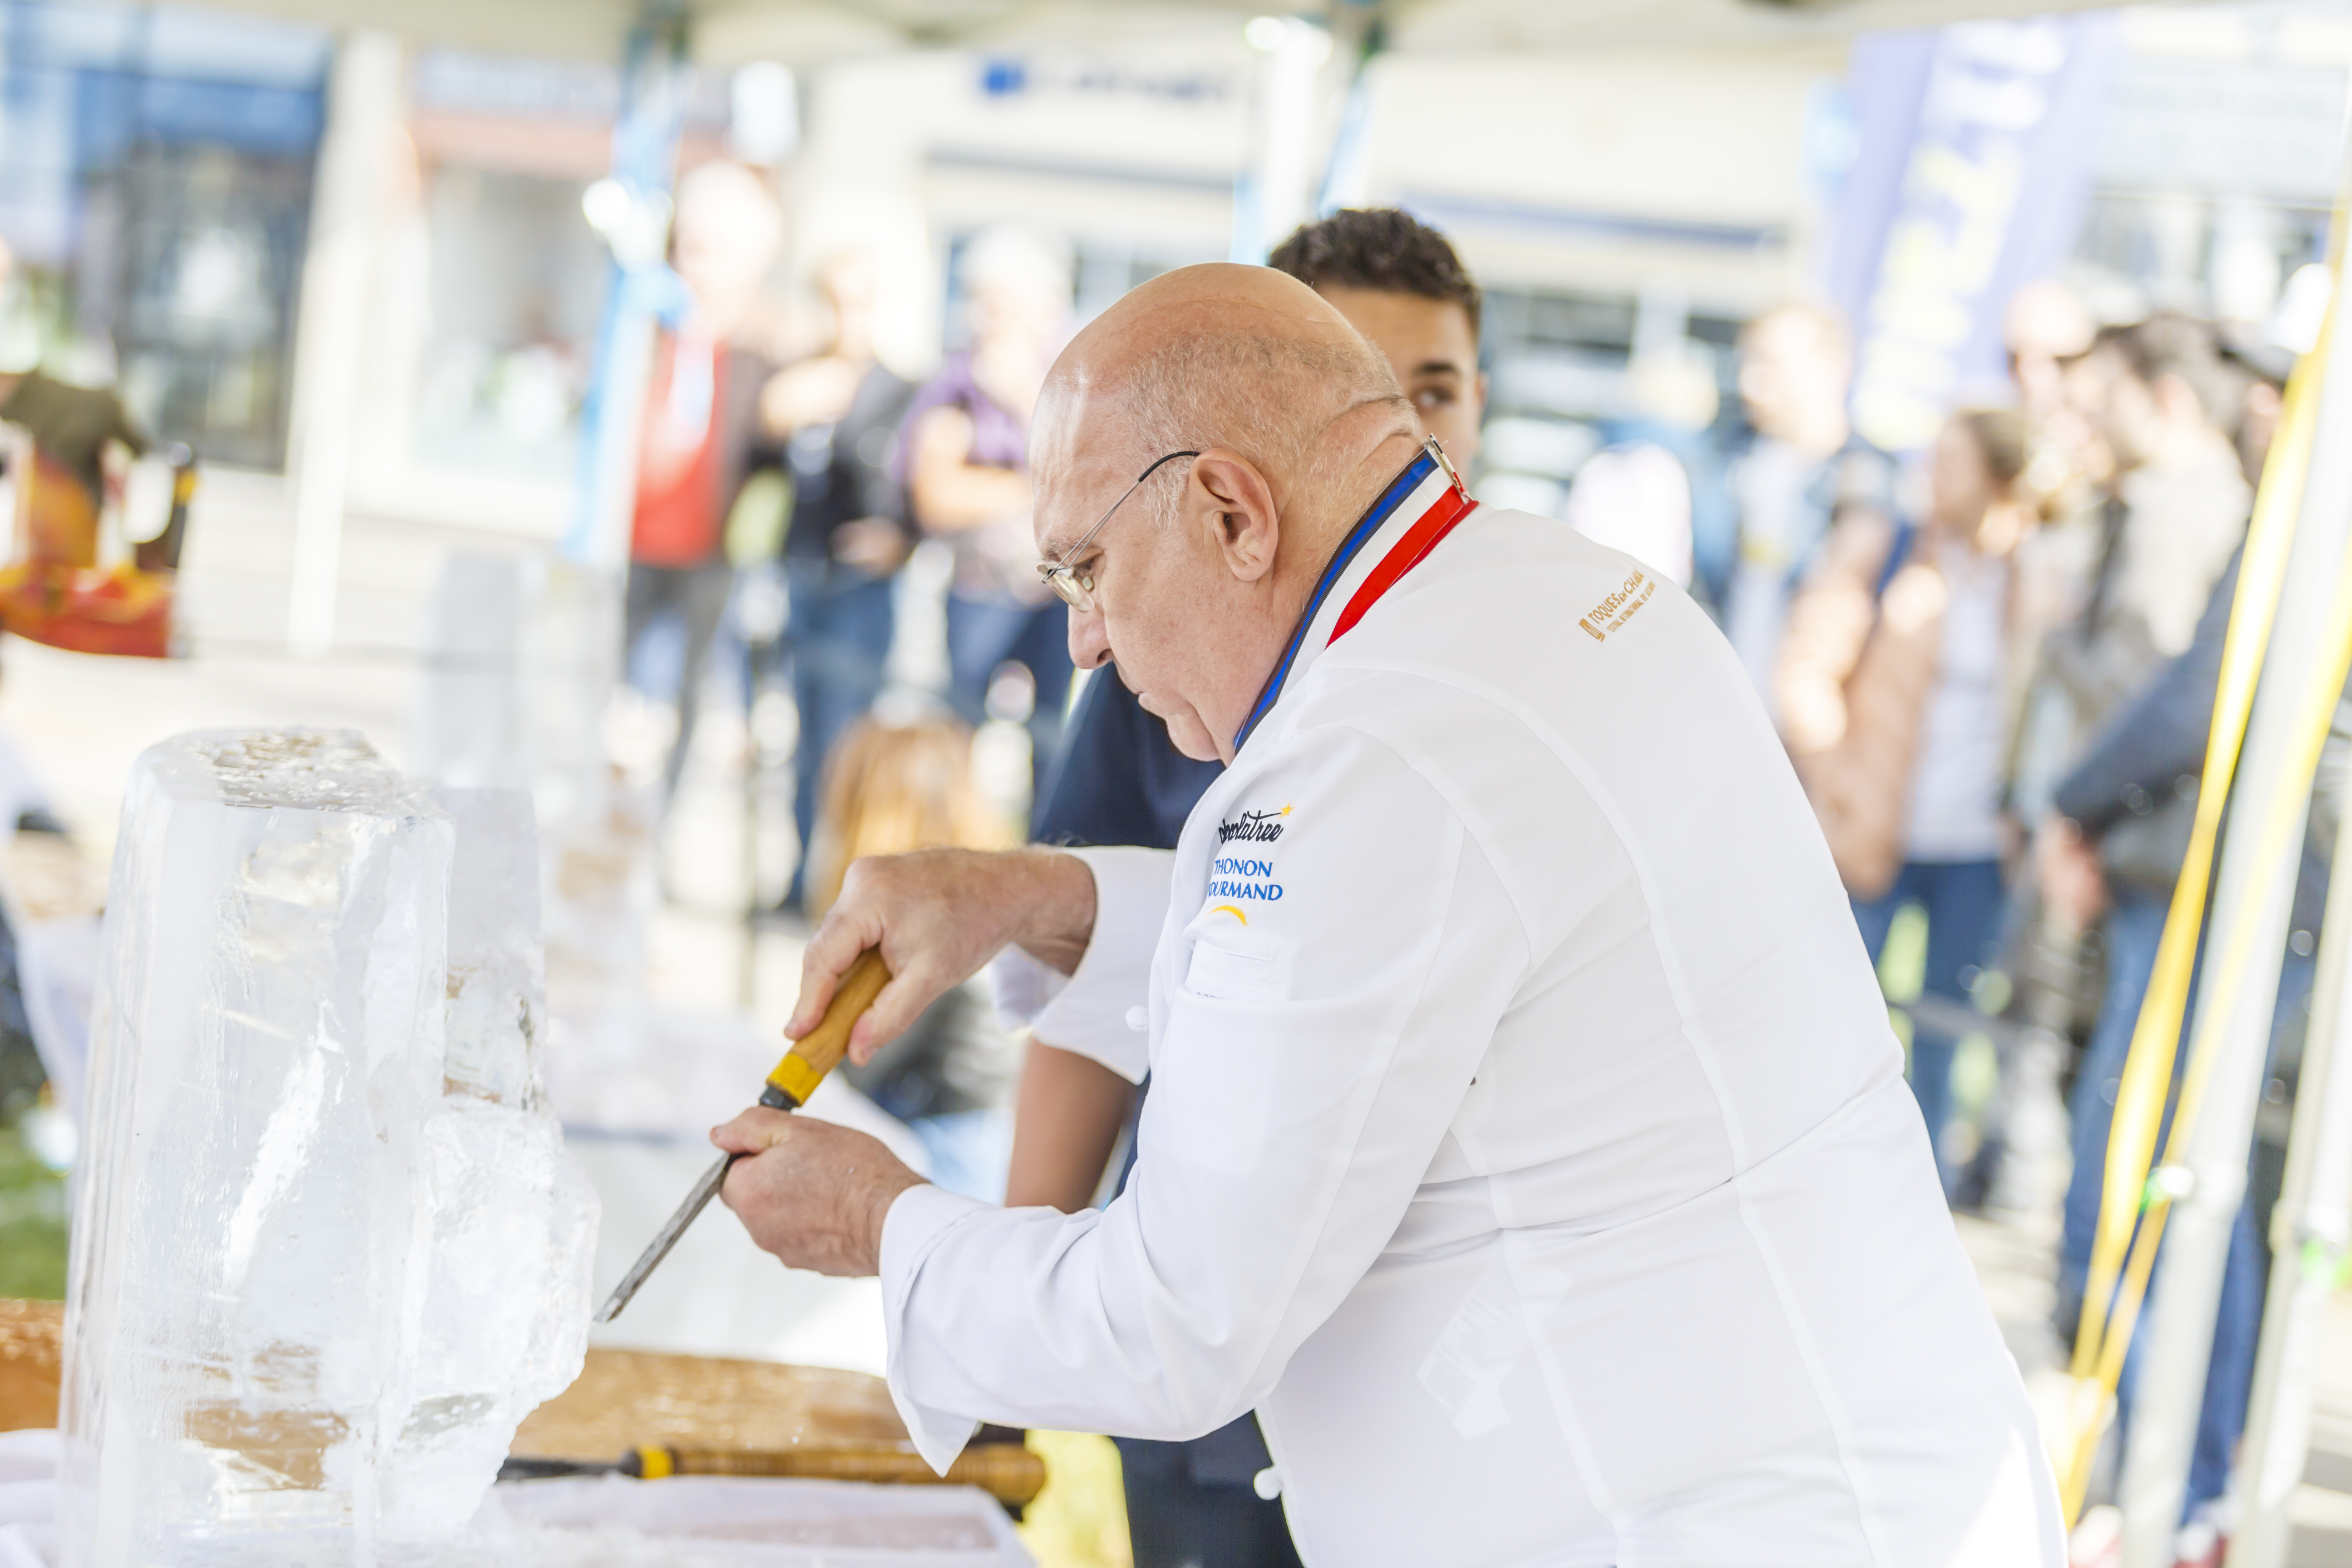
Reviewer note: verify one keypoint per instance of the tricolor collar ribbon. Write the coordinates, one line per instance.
(1419, 508)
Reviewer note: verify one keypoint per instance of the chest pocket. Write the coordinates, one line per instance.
(1231, 976)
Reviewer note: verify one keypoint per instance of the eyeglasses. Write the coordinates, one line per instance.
(1075, 585)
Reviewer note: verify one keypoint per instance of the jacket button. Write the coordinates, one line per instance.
(1268, 1483)
(1138, 1020)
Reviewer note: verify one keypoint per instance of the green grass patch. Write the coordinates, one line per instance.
(32, 1222)
(1903, 961)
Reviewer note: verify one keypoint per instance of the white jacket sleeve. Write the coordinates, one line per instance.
(1099, 1011)
(1316, 1024)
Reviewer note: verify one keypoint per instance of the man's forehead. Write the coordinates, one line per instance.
(1393, 318)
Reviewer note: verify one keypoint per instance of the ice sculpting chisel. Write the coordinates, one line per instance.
(788, 1089)
(1007, 1471)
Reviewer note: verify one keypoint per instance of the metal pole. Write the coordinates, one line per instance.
(2311, 1233)
(1272, 194)
(2238, 991)
(1366, 36)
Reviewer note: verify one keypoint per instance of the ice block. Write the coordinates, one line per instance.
(472, 722)
(328, 1248)
(497, 1325)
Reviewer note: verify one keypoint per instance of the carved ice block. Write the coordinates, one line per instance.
(328, 1249)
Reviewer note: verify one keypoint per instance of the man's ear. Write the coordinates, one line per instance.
(1231, 503)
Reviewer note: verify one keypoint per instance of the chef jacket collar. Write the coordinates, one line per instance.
(1421, 506)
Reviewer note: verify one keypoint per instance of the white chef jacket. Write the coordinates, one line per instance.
(1527, 1142)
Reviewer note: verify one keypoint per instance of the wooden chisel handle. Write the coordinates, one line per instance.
(805, 1065)
(1006, 1471)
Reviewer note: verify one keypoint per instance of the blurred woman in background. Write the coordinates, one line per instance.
(837, 415)
(967, 468)
(696, 444)
(1897, 687)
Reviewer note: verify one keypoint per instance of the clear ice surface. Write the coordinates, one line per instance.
(328, 1249)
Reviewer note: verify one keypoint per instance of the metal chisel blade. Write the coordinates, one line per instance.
(658, 1248)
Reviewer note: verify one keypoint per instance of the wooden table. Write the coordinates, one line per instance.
(776, 1419)
(626, 1398)
(30, 1333)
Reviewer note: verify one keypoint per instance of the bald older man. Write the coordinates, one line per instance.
(1526, 1144)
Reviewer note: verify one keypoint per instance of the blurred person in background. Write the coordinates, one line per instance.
(2156, 400)
(838, 414)
(2044, 330)
(2124, 579)
(2074, 980)
(2047, 332)
(2153, 406)
(2051, 972)
(1121, 780)
(1897, 685)
(84, 431)
(1656, 491)
(1805, 472)
(2158, 403)
(966, 465)
(701, 426)
(889, 789)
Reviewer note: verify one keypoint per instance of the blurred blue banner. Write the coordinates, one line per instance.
(1973, 160)
(643, 292)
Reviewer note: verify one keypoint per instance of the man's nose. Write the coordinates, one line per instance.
(1089, 639)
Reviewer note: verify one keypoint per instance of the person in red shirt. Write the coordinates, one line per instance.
(697, 447)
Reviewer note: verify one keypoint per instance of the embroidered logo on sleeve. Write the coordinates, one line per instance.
(1253, 827)
(1241, 881)
(1238, 881)
(1614, 612)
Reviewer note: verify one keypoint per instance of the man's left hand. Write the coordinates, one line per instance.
(811, 1193)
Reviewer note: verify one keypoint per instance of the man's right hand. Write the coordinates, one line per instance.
(938, 915)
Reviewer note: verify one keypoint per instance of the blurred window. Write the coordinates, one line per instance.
(517, 279)
(1559, 367)
(155, 175)
(2216, 170)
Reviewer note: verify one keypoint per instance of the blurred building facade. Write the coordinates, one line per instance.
(160, 169)
(155, 189)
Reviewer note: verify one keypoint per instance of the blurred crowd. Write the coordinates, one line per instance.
(1992, 662)
(827, 472)
(1994, 665)
(809, 484)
